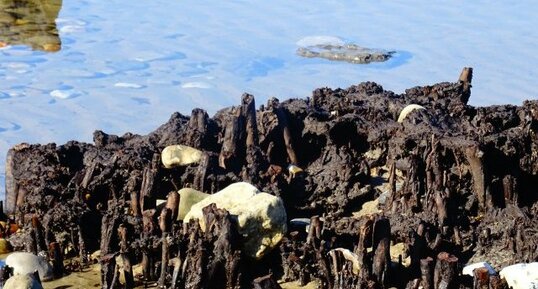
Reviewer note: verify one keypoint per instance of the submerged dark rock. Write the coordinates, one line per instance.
(351, 53)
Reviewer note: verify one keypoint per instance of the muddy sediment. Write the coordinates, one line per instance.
(451, 184)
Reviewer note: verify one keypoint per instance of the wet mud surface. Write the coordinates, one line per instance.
(452, 183)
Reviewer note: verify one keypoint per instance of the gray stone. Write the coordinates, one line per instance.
(27, 263)
(261, 216)
(24, 281)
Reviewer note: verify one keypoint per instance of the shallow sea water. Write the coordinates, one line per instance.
(69, 68)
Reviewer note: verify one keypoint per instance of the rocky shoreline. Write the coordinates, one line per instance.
(350, 188)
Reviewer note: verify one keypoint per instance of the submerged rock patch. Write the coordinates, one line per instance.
(348, 52)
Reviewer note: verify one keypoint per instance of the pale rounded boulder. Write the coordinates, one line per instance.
(521, 276)
(24, 281)
(27, 263)
(187, 198)
(261, 217)
(180, 155)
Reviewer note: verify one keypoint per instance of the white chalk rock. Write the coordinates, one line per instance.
(187, 198)
(180, 155)
(468, 270)
(24, 281)
(521, 276)
(261, 216)
(27, 263)
(407, 110)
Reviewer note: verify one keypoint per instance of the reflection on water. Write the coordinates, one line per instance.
(30, 22)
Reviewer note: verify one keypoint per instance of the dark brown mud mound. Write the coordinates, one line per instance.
(452, 182)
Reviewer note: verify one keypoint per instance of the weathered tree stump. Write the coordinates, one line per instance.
(165, 223)
(39, 236)
(427, 273)
(125, 253)
(381, 246)
(149, 228)
(445, 272)
(481, 278)
(109, 227)
(56, 256)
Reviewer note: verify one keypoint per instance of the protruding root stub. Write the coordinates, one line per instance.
(266, 282)
(495, 282)
(109, 225)
(481, 278)
(37, 231)
(446, 271)
(124, 234)
(283, 123)
(56, 256)
(213, 257)
(165, 223)
(466, 77)
(314, 231)
(381, 246)
(172, 203)
(475, 157)
(426, 270)
(149, 228)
